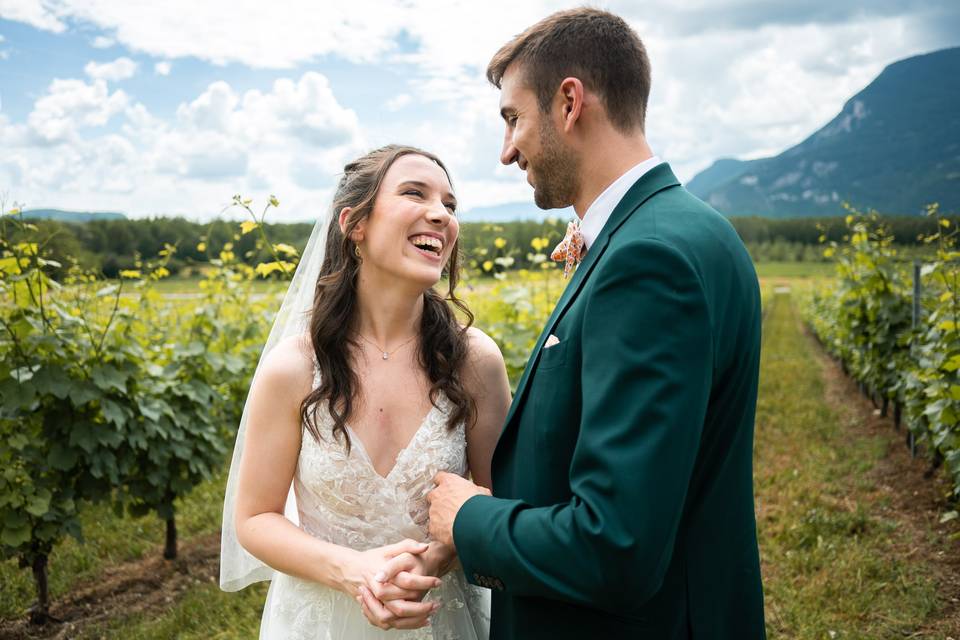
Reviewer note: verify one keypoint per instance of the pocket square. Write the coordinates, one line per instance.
(551, 341)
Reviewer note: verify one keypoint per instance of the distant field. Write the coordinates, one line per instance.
(192, 285)
(764, 270)
(795, 269)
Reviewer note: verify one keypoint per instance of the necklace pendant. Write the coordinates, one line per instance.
(385, 355)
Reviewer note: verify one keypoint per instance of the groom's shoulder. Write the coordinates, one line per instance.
(679, 219)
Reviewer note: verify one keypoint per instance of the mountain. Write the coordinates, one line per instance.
(715, 175)
(895, 147)
(72, 216)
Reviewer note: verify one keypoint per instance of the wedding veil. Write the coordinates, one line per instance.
(237, 567)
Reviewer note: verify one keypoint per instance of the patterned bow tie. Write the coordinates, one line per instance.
(571, 249)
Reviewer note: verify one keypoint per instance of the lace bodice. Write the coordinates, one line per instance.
(342, 499)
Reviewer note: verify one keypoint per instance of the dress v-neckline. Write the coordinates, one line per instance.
(396, 463)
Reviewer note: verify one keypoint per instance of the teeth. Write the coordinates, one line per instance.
(428, 241)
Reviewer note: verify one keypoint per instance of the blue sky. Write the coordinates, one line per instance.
(171, 108)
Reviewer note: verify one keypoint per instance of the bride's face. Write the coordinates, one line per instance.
(411, 231)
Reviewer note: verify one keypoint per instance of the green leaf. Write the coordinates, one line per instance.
(952, 364)
(53, 381)
(108, 377)
(15, 537)
(82, 392)
(113, 412)
(18, 441)
(150, 411)
(82, 435)
(38, 505)
(61, 457)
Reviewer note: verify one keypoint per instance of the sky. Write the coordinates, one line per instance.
(170, 108)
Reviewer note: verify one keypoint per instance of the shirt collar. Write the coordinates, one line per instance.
(600, 209)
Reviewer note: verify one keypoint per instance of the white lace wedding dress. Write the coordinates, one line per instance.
(343, 500)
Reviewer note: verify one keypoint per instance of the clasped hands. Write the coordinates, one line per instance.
(391, 582)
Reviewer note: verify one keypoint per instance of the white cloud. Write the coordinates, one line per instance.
(212, 110)
(255, 34)
(290, 140)
(119, 69)
(306, 110)
(71, 104)
(103, 42)
(162, 68)
(33, 12)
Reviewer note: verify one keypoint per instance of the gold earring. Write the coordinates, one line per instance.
(356, 250)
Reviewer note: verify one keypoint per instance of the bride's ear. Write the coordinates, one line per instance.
(357, 234)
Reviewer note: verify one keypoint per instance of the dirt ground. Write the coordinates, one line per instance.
(150, 584)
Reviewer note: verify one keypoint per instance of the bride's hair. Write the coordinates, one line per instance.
(443, 340)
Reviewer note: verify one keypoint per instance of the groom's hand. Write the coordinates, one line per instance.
(445, 501)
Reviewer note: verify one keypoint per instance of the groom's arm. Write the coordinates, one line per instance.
(647, 369)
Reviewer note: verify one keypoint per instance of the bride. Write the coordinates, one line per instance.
(368, 386)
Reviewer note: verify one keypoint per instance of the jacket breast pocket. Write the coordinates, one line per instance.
(551, 357)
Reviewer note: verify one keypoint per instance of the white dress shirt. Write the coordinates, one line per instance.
(600, 209)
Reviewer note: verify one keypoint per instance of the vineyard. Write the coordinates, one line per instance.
(895, 327)
(119, 400)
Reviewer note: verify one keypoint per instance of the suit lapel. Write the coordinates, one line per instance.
(655, 180)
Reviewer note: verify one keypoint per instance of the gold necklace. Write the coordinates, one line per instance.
(386, 354)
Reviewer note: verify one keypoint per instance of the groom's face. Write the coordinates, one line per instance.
(532, 141)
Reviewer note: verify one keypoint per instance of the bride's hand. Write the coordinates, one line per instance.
(385, 602)
(391, 597)
(396, 614)
(398, 577)
(362, 566)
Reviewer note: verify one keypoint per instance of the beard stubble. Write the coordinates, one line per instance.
(557, 171)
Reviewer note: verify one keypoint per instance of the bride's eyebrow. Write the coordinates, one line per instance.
(426, 187)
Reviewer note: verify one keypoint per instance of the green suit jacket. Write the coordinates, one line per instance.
(622, 479)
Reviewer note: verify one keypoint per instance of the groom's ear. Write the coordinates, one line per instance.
(571, 95)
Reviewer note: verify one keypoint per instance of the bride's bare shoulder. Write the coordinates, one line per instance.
(289, 364)
(484, 353)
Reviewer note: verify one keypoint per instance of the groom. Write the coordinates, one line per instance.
(622, 479)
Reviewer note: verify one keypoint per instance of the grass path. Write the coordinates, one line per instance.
(849, 535)
(840, 558)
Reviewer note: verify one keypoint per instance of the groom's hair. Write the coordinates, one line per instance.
(595, 46)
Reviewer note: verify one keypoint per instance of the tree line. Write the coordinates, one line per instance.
(111, 246)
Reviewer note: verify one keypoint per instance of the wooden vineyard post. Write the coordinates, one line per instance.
(914, 323)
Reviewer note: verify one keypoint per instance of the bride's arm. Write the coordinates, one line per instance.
(487, 382)
(269, 460)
